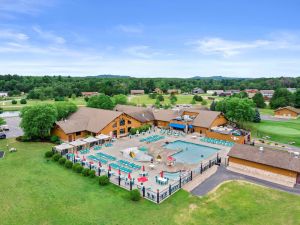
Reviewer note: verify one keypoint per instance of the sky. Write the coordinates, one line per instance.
(150, 38)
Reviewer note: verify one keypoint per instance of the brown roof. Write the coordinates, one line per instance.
(89, 119)
(289, 108)
(137, 91)
(141, 114)
(205, 118)
(276, 158)
(166, 114)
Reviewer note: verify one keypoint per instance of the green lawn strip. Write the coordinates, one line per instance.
(37, 191)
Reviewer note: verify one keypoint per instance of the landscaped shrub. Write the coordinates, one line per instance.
(85, 172)
(79, 169)
(14, 102)
(92, 173)
(68, 164)
(23, 101)
(49, 154)
(56, 157)
(62, 160)
(54, 139)
(103, 180)
(135, 195)
(74, 167)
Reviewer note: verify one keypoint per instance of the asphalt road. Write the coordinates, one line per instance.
(14, 127)
(223, 174)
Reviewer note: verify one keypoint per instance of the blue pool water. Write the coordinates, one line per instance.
(172, 176)
(190, 153)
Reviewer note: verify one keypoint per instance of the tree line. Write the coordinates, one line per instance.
(45, 87)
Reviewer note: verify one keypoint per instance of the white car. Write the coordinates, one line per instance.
(4, 127)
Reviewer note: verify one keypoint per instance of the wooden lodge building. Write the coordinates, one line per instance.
(277, 166)
(117, 123)
(287, 112)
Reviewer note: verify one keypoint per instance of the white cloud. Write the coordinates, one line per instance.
(23, 6)
(13, 35)
(229, 48)
(130, 28)
(49, 36)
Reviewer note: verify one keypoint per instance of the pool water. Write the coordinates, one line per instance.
(172, 176)
(190, 153)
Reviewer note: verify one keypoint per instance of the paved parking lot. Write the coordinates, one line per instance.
(223, 175)
(14, 127)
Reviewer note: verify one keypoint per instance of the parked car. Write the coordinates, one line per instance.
(2, 135)
(4, 127)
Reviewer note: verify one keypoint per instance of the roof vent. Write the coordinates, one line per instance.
(261, 149)
(296, 154)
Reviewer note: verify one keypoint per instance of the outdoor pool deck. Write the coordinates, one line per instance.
(154, 149)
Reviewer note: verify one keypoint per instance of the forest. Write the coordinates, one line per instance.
(38, 87)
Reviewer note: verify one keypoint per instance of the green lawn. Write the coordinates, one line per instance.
(181, 99)
(34, 191)
(266, 111)
(8, 106)
(280, 131)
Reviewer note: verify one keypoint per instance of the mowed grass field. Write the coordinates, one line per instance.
(181, 99)
(8, 106)
(36, 191)
(280, 131)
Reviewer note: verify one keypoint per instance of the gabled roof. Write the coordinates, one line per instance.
(205, 118)
(141, 114)
(89, 119)
(289, 108)
(276, 158)
(166, 114)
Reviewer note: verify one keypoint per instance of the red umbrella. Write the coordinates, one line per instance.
(129, 176)
(99, 164)
(142, 179)
(143, 168)
(162, 174)
(119, 171)
(91, 162)
(170, 158)
(109, 168)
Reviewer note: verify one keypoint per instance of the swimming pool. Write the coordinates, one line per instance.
(190, 153)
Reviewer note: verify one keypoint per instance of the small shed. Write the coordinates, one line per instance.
(137, 92)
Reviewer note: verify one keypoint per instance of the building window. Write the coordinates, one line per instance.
(129, 122)
(128, 129)
(115, 133)
(122, 131)
(114, 125)
(78, 133)
(122, 122)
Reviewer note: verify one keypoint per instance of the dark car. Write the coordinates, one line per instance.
(2, 136)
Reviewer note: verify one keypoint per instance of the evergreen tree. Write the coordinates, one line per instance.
(257, 118)
(297, 99)
(213, 106)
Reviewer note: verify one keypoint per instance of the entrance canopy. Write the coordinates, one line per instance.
(102, 137)
(77, 143)
(63, 146)
(90, 139)
(176, 125)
